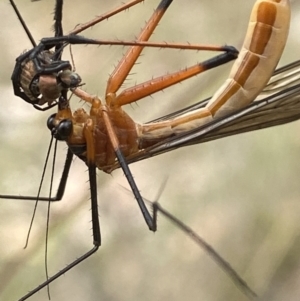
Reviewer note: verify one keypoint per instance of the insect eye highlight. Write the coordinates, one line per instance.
(50, 122)
(61, 130)
(69, 79)
(64, 129)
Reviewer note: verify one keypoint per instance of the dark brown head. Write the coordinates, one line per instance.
(43, 83)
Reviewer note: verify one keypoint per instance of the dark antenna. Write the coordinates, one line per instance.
(30, 37)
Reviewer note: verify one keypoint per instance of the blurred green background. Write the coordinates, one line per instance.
(241, 194)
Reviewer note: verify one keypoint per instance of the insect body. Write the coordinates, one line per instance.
(262, 48)
(42, 76)
(107, 137)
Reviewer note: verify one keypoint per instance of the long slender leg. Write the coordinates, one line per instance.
(77, 40)
(61, 186)
(137, 92)
(81, 27)
(151, 221)
(29, 35)
(218, 259)
(225, 266)
(96, 235)
(123, 68)
(58, 30)
(88, 134)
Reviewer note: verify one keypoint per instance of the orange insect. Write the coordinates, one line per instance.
(106, 137)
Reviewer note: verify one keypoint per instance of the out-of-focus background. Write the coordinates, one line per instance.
(241, 194)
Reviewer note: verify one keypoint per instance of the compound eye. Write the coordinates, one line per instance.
(69, 79)
(50, 122)
(74, 80)
(64, 129)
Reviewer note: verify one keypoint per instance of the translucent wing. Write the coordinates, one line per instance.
(279, 103)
